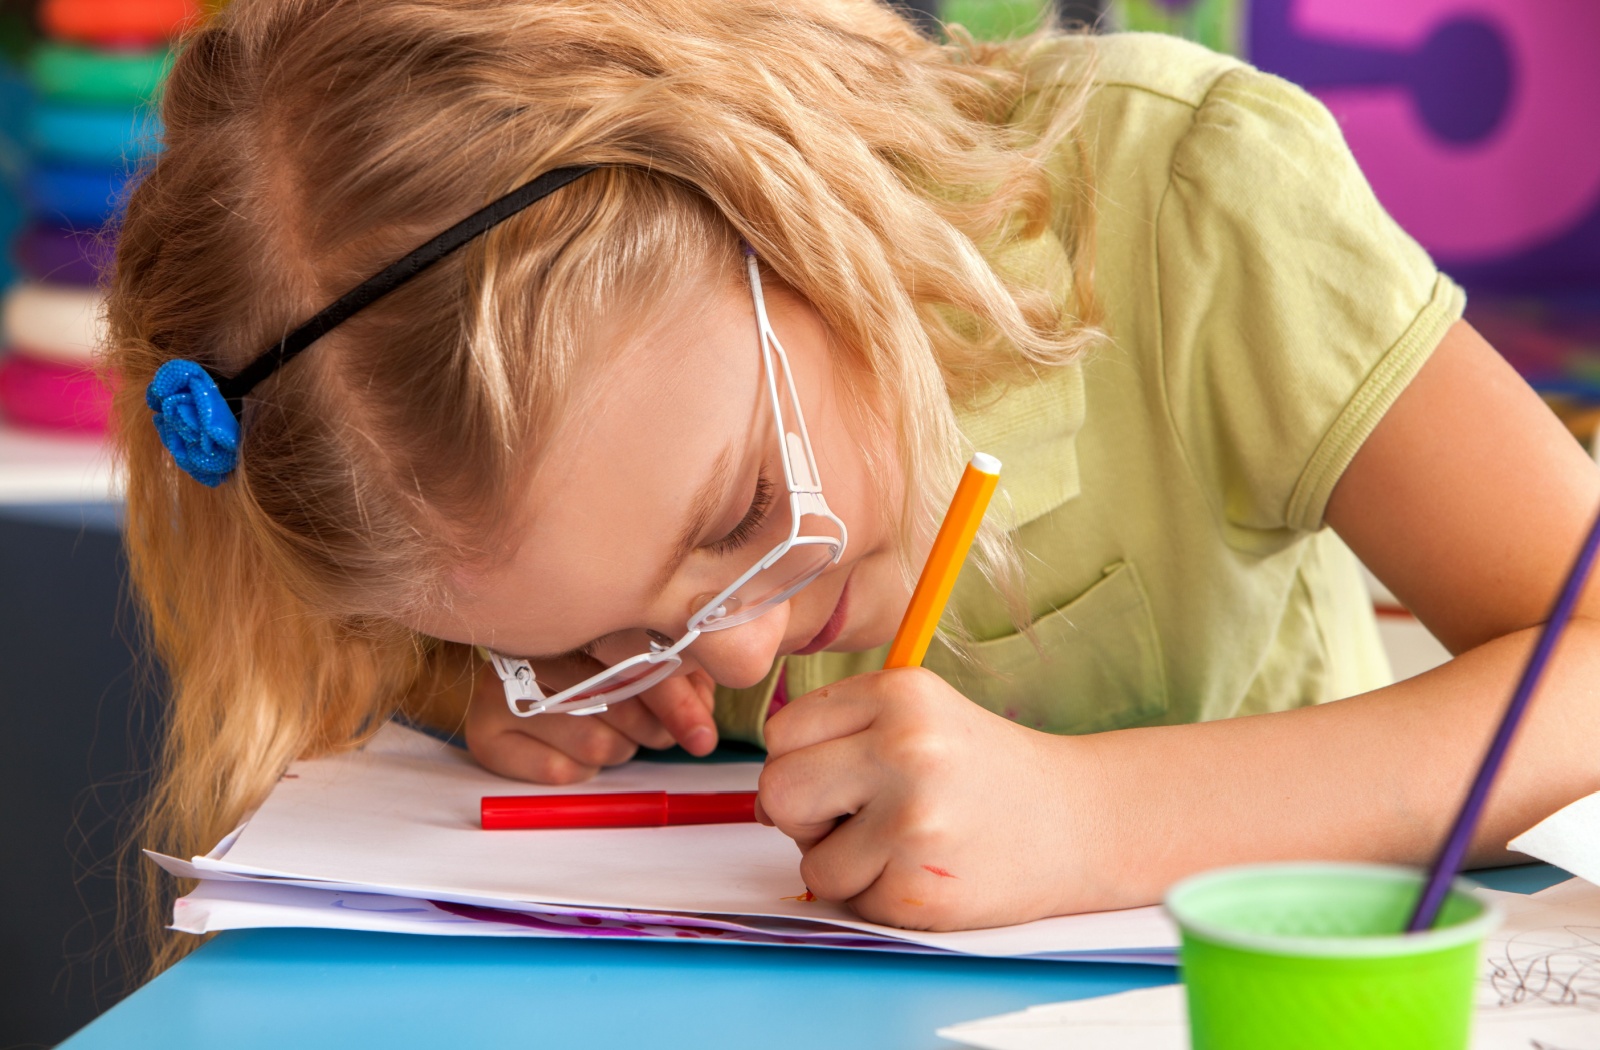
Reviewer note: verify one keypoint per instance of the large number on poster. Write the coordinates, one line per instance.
(1477, 121)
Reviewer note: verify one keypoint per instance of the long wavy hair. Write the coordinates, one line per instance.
(308, 143)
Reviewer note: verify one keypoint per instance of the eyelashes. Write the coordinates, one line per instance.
(748, 528)
(752, 521)
(581, 656)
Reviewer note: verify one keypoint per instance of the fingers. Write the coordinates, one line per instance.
(565, 749)
(512, 753)
(681, 706)
(545, 749)
(847, 862)
(677, 710)
(888, 871)
(805, 795)
(585, 739)
(914, 899)
(834, 711)
(634, 721)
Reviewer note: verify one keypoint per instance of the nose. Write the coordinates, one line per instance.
(739, 657)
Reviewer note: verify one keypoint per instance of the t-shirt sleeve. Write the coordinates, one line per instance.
(1294, 310)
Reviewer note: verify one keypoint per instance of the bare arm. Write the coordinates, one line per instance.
(1469, 501)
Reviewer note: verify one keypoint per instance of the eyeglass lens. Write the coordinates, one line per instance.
(799, 565)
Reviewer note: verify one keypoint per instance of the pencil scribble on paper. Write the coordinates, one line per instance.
(1558, 966)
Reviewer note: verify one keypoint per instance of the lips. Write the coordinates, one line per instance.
(831, 629)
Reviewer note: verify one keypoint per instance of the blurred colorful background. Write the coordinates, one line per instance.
(78, 82)
(1476, 121)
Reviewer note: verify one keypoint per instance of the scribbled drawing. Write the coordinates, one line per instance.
(804, 898)
(1556, 967)
(350, 905)
(548, 923)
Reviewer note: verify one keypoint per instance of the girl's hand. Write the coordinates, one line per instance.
(920, 809)
(564, 749)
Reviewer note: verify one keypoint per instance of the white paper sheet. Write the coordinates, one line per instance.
(215, 906)
(1143, 1019)
(219, 904)
(400, 818)
(224, 905)
(1540, 988)
(1569, 838)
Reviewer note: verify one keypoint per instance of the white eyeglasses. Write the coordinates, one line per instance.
(774, 579)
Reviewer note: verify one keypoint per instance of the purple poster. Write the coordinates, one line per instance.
(1477, 121)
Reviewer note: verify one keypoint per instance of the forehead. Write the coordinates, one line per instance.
(614, 483)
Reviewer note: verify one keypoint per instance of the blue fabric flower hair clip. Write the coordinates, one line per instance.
(198, 417)
(195, 421)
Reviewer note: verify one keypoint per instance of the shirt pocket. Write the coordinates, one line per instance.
(1097, 665)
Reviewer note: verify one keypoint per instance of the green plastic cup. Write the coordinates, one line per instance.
(1312, 956)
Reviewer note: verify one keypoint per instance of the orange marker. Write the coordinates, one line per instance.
(949, 551)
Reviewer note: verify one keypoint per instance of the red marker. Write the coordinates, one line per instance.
(624, 809)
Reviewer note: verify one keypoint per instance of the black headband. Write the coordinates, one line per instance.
(197, 411)
(234, 388)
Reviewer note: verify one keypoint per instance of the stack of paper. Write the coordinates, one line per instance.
(387, 838)
(1539, 988)
(1569, 838)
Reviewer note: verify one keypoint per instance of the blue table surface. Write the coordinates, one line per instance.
(321, 988)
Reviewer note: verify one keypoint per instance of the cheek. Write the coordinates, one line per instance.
(878, 599)
(878, 590)
(868, 503)
(854, 482)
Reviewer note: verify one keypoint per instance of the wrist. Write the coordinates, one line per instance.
(1089, 873)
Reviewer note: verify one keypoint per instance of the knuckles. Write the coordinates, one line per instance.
(776, 791)
(784, 800)
(500, 753)
(560, 770)
(819, 881)
(924, 830)
(657, 738)
(598, 745)
(915, 750)
(916, 691)
(775, 733)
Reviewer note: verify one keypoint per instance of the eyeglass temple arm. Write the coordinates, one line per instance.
(521, 685)
(795, 445)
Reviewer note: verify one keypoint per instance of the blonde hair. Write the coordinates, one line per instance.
(310, 142)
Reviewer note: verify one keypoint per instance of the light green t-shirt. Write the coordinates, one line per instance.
(1168, 493)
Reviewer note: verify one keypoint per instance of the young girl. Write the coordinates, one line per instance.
(667, 430)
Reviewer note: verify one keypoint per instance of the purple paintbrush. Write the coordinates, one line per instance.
(1450, 856)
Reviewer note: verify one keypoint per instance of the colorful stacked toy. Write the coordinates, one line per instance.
(95, 79)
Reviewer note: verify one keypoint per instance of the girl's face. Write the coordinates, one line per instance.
(663, 483)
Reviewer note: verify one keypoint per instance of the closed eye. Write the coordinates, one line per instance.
(582, 655)
(748, 527)
(750, 524)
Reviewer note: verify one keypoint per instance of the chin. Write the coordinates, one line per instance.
(860, 643)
